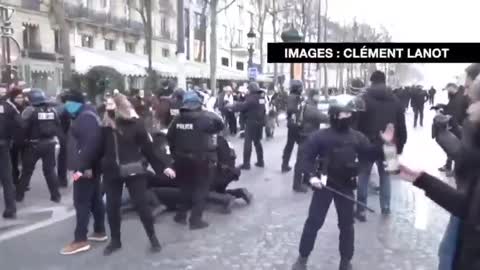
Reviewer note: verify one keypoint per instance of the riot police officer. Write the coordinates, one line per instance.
(340, 146)
(294, 100)
(255, 112)
(41, 125)
(310, 118)
(9, 124)
(192, 140)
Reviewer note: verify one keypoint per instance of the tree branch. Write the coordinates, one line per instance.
(226, 7)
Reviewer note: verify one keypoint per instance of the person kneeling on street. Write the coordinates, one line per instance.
(126, 144)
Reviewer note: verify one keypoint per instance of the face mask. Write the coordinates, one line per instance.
(72, 107)
(342, 124)
(111, 114)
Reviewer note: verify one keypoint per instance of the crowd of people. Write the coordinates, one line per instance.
(144, 141)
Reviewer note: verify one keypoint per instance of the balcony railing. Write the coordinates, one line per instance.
(76, 12)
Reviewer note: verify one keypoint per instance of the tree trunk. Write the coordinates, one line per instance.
(213, 46)
(181, 44)
(274, 26)
(319, 39)
(64, 31)
(148, 32)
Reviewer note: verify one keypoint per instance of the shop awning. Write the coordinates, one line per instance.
(86, 58)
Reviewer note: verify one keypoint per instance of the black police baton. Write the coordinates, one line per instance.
(348, 198)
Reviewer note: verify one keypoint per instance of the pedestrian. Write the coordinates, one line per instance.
(16, 101)
(341, 146)
(294, 100)
(9, 126)
(418, 97)
(126, 144)
(431, 95)
(226, 98)
(192, 140)
(381, 108)
(254, 109)
(41, 127)
(83, 158)
(457, 109)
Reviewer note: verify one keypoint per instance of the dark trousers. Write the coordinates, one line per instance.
(298, 169)
(15, 156)
(6, 179)
(62, 163)
(253, 135)
(87, 199)
(232, 122)
(287, 151)
(194, 178)
(431, 99)
(34, 152)
(417, 112)
(317, 212)
(241, 121)
(137, 189)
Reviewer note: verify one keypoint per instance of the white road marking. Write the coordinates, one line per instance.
(59, 213)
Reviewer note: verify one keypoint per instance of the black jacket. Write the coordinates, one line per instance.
(419, 97)
(84, 140)
(382, 107)
(253, 107)
(134, 145)
(10, 121)
(457, 107)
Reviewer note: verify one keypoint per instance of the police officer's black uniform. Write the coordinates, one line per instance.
(309, 120)
(9, 123)
(340, 145)
(41, 125)
(192, 141)
(294, 100)
(255, 113)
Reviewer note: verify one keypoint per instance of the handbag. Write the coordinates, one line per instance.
(129, 169)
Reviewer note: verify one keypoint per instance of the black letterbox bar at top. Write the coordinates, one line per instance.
(373, 53)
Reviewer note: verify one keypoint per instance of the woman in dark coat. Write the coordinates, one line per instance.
(126, 145)
(463, 202)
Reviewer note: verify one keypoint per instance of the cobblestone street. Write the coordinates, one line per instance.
(264, 235)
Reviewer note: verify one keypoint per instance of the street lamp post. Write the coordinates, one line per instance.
(292, 35)
(251, 49)
(10, 49)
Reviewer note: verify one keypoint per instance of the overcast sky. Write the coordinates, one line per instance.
(417, 21)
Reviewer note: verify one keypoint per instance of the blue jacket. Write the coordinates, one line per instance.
(84, 140)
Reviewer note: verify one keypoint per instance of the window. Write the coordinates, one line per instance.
(240, 37)
(58, 41)
(109, 45)
(225, 32)
(165, 52)
(225, 61)
(198, 21)
(87, 41)
(130, 47)
(31, 37)
(240, 66)
(163, 25)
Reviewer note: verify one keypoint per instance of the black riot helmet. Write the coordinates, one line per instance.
(296, 87)
(356, 86)
(178, 94)
(341, 111)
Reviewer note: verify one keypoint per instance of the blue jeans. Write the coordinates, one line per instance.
(448, 246)
(364, 179)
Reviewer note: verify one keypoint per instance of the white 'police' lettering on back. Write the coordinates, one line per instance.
(184, 126)
(46, 116)
(2, 109)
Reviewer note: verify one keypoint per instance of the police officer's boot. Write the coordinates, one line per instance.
(300, 264)
(198, 225)
(345, 265)
(155, 244)
(245, 167)
(181, 218)
(286, 168)
(260, 164)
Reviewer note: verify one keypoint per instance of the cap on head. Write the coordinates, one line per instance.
(75, 96)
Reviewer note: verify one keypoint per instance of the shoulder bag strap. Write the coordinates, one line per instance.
(115, 142)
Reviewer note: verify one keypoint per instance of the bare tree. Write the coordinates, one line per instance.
(57, 12)
(144, 9)
(214, 10)
(262, 7)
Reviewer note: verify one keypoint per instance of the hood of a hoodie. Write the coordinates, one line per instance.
(380, 92)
